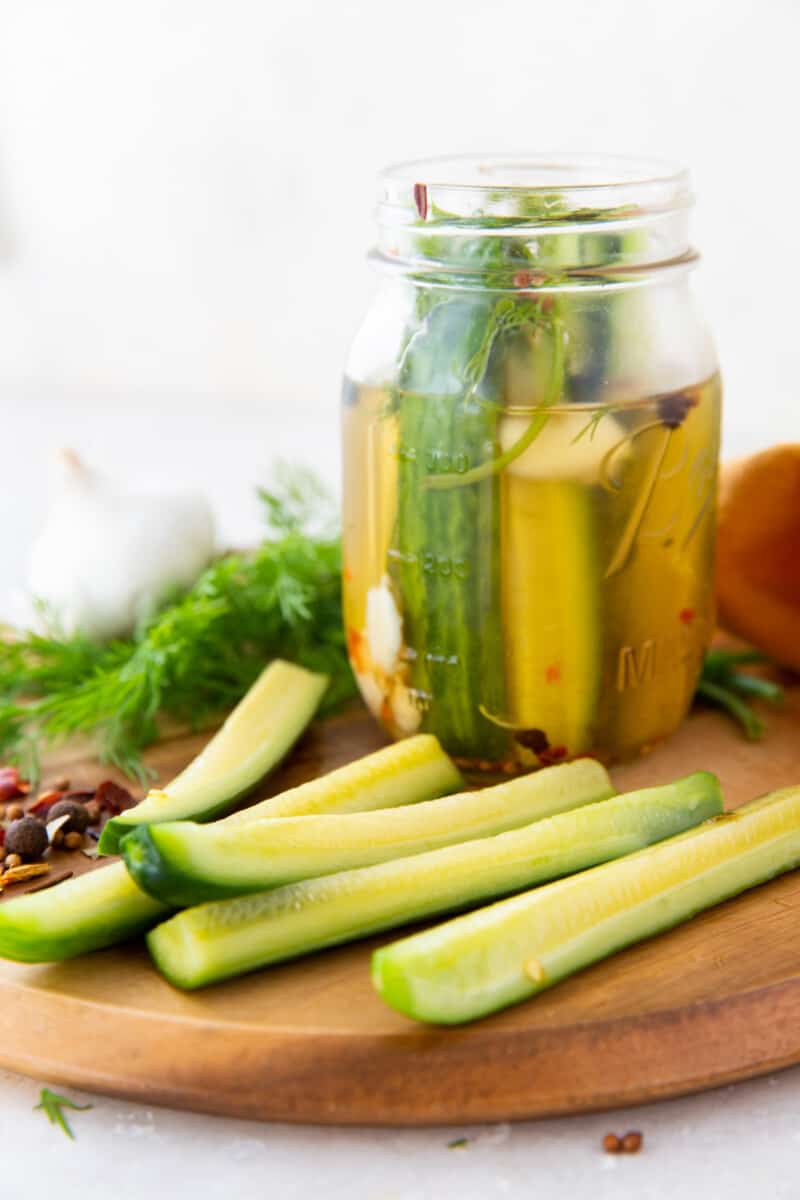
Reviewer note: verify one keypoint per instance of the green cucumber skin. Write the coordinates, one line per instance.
(119, 827)
(217, 941)
(447, 566)
(183, 864)
(471, 966)
(35, 928)
(90, 912)
(151, 862)
(296, 721)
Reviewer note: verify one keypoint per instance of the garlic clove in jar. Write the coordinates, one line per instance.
(384, 630)
(107, 555)
(371, 692)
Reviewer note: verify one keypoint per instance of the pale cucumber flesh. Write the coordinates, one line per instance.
(221, 939)
(185, 864)
(80, 915)
(551, 582)
(403, 773)
(497, 956)
(256, 736)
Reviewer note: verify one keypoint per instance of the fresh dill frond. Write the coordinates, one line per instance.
(52, 1105)
(197, 655)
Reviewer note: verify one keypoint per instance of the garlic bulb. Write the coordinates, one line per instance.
(107, 555)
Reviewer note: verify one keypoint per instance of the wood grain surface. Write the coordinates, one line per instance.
(713, 1001)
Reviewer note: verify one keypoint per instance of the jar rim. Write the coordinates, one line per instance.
(538, 172)
(559, 219)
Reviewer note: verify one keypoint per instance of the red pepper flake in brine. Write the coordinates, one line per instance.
(357, 650)
(421, 200)
(12, 784)
(554, 755)
(686, 616)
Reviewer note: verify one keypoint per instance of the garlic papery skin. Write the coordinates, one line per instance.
(107, 555)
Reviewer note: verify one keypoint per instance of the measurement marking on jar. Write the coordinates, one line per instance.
(443, 565)
(436, 658)
(420, 699)
(435, 460)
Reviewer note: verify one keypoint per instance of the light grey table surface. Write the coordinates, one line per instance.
(739, 1141)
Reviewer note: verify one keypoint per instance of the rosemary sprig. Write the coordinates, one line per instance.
(725, 686)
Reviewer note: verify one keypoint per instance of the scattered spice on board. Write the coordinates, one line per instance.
(112, 798)
(53, 1105)
(22, 871)
(630, 1142)
(26, 837)
(56, 818)
(11, 784)
(44, 802)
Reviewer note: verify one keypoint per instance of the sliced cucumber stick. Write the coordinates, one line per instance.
(106, 906)
(486, 960)
(184, 863)
(215, 941)
(258, 733)
(95, 910)
(403, 773)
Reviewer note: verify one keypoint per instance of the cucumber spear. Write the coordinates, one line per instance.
(482, 962)
(218, 940)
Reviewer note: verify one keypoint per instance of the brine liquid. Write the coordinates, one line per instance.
(558, 607)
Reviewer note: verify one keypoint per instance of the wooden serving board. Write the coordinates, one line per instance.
(713, 1001)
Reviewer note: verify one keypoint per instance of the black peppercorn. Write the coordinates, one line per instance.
(77, 813)
(26, 837)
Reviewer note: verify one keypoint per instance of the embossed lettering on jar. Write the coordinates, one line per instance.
(531, 425)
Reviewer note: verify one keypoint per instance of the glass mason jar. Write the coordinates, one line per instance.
(531, 427)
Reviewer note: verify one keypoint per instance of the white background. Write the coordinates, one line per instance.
(186, 193)
(186, 190)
